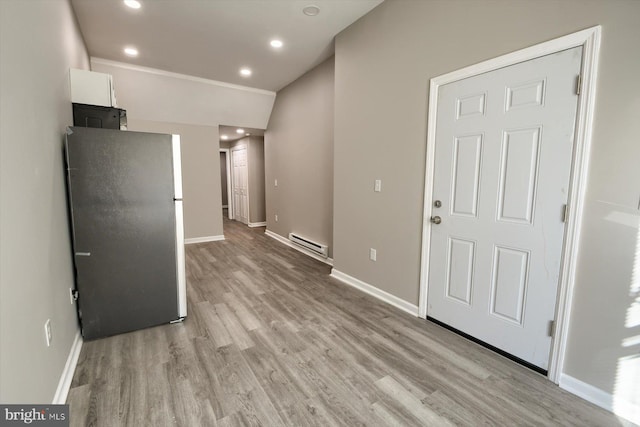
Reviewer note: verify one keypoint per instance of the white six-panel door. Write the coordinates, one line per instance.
(502, 165)
(240, 179)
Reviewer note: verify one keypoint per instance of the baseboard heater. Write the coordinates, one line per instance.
(322, 250)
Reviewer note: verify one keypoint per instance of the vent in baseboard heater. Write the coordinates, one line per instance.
(322, 250)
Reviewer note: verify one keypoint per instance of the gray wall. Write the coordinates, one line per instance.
(39, 42)
(161, 96)
(255, 164)
(299, 154)
(223, 179)
(383, 66)
(200, 181)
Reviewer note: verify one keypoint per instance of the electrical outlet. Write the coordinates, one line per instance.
(47, 332)
(276, 218)
(372, 254)
(377, 186)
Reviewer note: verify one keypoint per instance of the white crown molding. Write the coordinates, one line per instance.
(288, 242)
(403, 305)
(164, 73)
(203, 239)
(64, 384)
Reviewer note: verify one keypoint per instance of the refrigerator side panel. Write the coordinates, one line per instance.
(177, 167)
(180, 262)
(180, 255)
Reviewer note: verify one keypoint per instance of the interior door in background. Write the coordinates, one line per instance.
(504, 142)
(240, 179)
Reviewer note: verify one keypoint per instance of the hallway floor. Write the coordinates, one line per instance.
(272, 340)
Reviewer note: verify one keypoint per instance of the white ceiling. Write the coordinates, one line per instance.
(232, 135)
(213, 39)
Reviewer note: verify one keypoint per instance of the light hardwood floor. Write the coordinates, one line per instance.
(272, 340)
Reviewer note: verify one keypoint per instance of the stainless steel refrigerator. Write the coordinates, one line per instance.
(125, 197)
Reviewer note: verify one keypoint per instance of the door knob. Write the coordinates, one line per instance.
(436, 219)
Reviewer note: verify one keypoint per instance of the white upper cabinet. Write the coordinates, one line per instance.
(89, 87)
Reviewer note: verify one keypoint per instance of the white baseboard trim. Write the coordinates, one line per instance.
(258, 224)
(64, 384)
(621, 407)
(586, 391)
(287, 242)
(375, 292)
(203, 239)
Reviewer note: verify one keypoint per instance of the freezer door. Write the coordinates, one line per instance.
(121, 188)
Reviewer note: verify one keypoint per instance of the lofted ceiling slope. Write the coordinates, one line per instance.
(213, 39)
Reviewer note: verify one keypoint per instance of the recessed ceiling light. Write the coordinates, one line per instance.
(311, 10)
(276, 43)
(247, 134)
(133, 4)
(130, 51)
(239, 130)
(245, 71)
(224, 137)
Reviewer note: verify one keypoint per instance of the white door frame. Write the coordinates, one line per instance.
(236, 148)
(589, 39)
(227, 158)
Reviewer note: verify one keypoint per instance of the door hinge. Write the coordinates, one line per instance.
(565, 213)
(552, 328)
(578, 84)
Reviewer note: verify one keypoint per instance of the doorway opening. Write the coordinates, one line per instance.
(242, 175)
